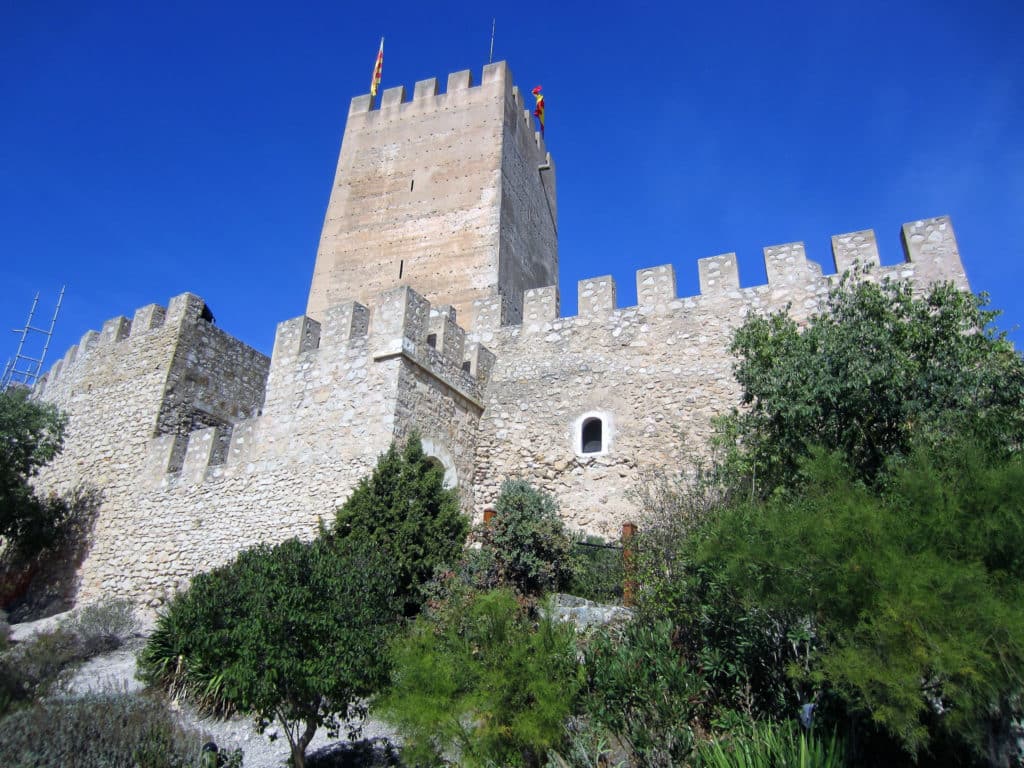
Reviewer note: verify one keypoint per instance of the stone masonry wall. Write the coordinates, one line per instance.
(656, 373)
(337, 393)
(529, 210)
(116, 387)
(438, 192)
(213, 379)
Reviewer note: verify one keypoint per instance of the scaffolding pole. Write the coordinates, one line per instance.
(24, 369)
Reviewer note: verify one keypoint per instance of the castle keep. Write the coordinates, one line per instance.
(433, 308)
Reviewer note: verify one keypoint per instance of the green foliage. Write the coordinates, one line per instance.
(292, 632)
(481, 678)
(913, 594)
(31, 434)
(404, 508)
(640, 689)
(769, 745)
(586, 746)
(878, 370)
(525, 546)
(598, 571)
(739, 649)
(114, 731)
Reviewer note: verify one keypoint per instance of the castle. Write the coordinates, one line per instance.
(433, 308)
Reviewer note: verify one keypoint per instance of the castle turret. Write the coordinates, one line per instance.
(452, 193)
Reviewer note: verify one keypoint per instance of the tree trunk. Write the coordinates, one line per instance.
(299, 747)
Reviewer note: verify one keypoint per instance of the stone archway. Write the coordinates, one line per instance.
(439, 453)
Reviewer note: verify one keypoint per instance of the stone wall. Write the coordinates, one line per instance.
(337, 393)
(655, 374)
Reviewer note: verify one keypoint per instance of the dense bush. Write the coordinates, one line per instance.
(598, 571)
(38, 666)
(769, 745)
(482, 680)
(878, 370)
(525, 547)
(894, 606)
(104, 625)
(587, 746)
(404, 508)
(293, 632)
(913, 593)
(109, 730)
(31, 434)
(640, 689)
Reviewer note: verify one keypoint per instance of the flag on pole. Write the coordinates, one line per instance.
(378, 70)
(539, 111)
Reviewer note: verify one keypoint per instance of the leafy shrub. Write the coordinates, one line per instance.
(104, 625)
(598, 571)
(481, 678)
(639, 688)
(525, 546)
(292, 632)
(878, 370)
(109, 730)
(586, 747)
(768, 745)
(403, 507)
(43, 663)
(31, 434)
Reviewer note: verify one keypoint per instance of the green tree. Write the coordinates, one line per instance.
(877, 370)
(912, 593)
(483, 679)
(404, 507)
(292, 632)
(31, 434)
(525, 546)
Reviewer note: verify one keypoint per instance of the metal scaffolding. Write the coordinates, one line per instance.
(24, 369)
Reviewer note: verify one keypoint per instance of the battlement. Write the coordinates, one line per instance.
(930, 255)
(495, 83)
(186, 307)
(401, 324)
(320, 371)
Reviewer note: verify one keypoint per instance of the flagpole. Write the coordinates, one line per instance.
(490, 56)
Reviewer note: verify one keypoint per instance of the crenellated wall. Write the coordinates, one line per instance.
(656, 373)
(168, 417)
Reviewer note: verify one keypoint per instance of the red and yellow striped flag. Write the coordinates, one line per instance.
(378, 70)
(539, 111)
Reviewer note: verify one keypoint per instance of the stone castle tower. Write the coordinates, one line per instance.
(433, 308)
(453, 193)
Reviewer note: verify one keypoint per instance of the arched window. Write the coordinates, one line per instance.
(591, 436)
(593, 433)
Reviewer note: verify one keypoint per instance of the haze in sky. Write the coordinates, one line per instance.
(149, 149)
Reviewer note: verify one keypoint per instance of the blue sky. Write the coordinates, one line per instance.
(152, 148)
